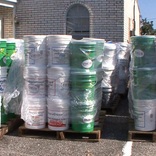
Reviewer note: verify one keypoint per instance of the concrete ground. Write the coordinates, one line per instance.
(113, 142)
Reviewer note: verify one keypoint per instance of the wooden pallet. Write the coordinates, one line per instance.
(3, 131)
(65, 135)
(37, 133)
(112, 106)
(93, 136)
(140, 136)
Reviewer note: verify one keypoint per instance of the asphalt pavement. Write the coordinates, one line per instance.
(113, 142)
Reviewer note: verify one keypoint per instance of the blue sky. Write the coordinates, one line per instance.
(148, 10)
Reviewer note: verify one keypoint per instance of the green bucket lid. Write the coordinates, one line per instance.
(2, 43)
(148, 39)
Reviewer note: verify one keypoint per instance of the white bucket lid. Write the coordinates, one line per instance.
(35, 101)
(58, 70)
(61, 37)
(34, 71)
(144, 103)
(61, 103)
(110, 46)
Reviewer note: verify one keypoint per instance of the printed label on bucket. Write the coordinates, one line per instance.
(33, 58)
(140, 119)
(36, 116)
(87, 63)
(139, 53)
(2, 84)
(35, 88)
(58, 55)
(58, 87)
(57, 118)
(88, 119)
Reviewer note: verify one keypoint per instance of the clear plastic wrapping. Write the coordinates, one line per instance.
(14, 84)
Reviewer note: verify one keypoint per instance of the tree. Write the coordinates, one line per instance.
(147, 28)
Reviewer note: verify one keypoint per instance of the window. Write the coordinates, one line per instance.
(78, 21)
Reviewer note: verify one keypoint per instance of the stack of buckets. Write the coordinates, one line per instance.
(143, 82)
(33, 110)
(109, 82)
(122, 67)
(7, 48)
(84, 83)
(14, 46)
(58, 71)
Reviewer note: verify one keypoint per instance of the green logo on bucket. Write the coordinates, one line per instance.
(87, 63)
(139, 53)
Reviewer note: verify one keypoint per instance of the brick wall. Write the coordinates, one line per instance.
(7, 15)
(49, 17)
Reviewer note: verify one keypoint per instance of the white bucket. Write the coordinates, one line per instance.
(35, 116)
(35, 88)
(58, 82)
(35, 50)
(58, 49)
(19, 45)
(3, 78)
(36, 73)
(58, 114)
(109, 59)
(35, 58)
(144, 114)
(39, 39)
(97, 116)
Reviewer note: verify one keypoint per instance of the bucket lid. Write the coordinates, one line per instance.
(10, 40)
(3, 40)
(144, 69)
(58, 68)
(83, 72)
(88, 103)
(61, 37)
(145, 39)
(83, 42)
(30, 71)
(98, 40)
(35, 101)
(58, 102)
(110, 46)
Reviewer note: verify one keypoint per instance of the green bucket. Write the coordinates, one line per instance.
(81, 95)
(82, 54)
(99, 50)
(3, 43)
(82, 116)
(4, 118)
(144, 84)
(83, 80)
(11, 115)
(11, 45)
(2, 52)
(143, 51)
(85, 95)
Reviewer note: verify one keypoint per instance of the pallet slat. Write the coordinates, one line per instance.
(3, 131)
(94, 136)
(143, 136)
(36, 133)
(80, 136)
